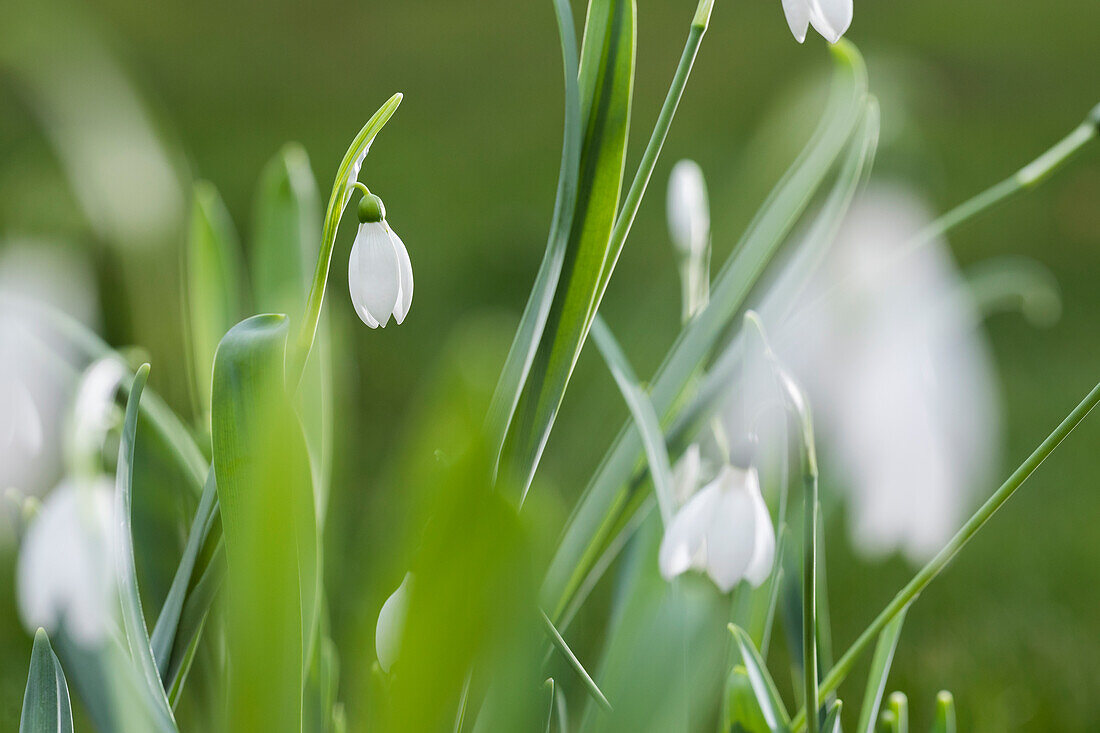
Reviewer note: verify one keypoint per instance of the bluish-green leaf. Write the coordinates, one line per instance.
(945, 713)
(286, 244)
(137, 635)
(264, 490)
(878, 674)
(526, 341)
(742, 711)
(767, 697)
(46, 707)
(832, 720)
(213, 283)
(606, 90)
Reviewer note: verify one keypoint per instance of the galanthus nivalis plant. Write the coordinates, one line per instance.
(183, 576)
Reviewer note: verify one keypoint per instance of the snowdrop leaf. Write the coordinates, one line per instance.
(641, 409)
(767, 697)
(878, 674)
(945, 713)
(606, 89)
(192, 621)
(137, 635)
(550, 687)
(530, 330)
(46, 707)
(263, 478)
(589, 684)
(832, 720)
(742, 711)
(287, 239)
(213, 286)
(897, 712)
(611, 485)
(164, 631)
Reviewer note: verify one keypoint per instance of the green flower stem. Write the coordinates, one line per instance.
(1025, 179)
(638, 186)
(809, 586)
(341, 190)
(929, 572)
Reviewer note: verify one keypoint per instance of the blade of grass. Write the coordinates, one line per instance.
(46, 707)
(936, 565)
(137, 635)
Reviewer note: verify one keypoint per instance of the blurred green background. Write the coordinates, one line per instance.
(970, 90)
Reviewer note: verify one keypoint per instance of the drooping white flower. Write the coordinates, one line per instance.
(688, 209)
(830, 18)
(391, 625)
(724, 530)
(901, 379)
(65, 574)
(379, 271)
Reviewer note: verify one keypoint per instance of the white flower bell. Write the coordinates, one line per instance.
(379, 272)
(391, 625)
(65, 575)
(724, 530)
(830, 18)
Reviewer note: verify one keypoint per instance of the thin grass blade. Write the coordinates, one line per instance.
(46, 707)
(878, 674)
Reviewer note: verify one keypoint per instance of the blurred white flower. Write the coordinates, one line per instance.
(65, 574)
(902, 382)
(830, 18)
(391, 625)
(95, 411)
(687, 474)
(724, 530)
(379, 272)
(688, 209)
(32, 394)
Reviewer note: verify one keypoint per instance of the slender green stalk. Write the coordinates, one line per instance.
(809, 589)
(638, 186)
(929, 572)
(341, 192)
(589, 684)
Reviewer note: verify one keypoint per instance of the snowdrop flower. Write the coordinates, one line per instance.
(379, 272)
(391, 625)
(830, 18)
(901, 381)
(65, 573)
(724, 530)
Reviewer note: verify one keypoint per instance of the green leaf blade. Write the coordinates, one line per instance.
(46, 706)
(767, 697)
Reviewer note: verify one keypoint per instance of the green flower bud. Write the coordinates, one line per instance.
(371, 209)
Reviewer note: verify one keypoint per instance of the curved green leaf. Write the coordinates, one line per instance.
(46, 707)
(213, 287)
(525, 343)
(879, 672)
(832, 720)
(270, 534)
(589, 684)
(606, 88)
(767, 697)
(137, 635)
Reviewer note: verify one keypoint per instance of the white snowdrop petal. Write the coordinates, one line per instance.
(831, 18)
(391, 625)
(373, 274)
(798, 17)
(730, 535)
(686, 474)
(683, 546)
(405, 274)
(763, 553)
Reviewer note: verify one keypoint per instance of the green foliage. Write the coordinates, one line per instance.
(46, 706)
